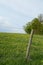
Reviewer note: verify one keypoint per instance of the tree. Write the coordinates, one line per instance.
(34, 24)
(40, 18)
(34, 27)
(27, 27)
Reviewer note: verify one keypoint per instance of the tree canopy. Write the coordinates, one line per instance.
(36, 25)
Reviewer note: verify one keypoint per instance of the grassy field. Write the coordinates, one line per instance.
(13, 49)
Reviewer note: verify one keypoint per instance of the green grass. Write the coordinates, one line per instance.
(13, 49)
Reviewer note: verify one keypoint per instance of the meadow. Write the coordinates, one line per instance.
(13, 48)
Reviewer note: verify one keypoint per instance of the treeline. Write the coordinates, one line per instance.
(36, 24)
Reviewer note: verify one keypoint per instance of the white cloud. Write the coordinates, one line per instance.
(19, 12)
(6, 26)
(1, 18)
(4, 22)
(21, 6)
(25, 7)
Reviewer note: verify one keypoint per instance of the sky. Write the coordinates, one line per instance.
(14, 14)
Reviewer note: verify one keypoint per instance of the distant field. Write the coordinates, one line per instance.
(13, 49)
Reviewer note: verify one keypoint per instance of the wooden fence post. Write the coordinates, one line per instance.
(29, 46)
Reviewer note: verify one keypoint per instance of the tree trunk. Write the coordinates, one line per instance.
(29, 46)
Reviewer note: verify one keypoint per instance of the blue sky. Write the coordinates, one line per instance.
(14, 14)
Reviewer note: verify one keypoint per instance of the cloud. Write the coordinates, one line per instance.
(2, 18)
(16, 13)
(23, 7)
(7, 26)
(4, 22)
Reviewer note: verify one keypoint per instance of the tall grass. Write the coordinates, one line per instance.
(13, 49)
